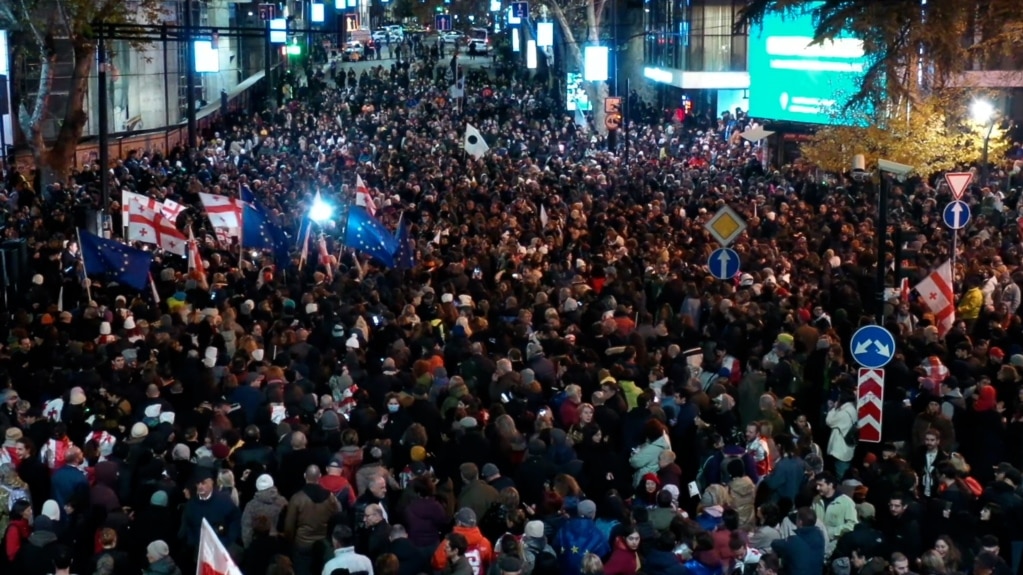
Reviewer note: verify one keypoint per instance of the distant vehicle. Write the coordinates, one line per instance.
(452, 37)
(478, 46)
(478, 34)
(383, 36)
(396, 30)
(353, 52)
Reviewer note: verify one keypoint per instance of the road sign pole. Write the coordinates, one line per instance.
(882, 248)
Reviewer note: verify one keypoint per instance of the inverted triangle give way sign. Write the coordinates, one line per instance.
(957, 182)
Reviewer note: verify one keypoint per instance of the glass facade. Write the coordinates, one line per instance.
(695, 35)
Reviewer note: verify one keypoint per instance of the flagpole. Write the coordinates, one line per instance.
(88, 288)
(241, 232)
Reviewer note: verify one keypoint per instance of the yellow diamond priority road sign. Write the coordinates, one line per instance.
(725, 226)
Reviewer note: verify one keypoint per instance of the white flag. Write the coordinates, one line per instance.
(474, 143)
(936, 293)
(543, 216)
(133, 203)
(213, 557)
(223, 212)
(171, 210)
(363, 197)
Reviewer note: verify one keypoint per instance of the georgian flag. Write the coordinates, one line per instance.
(152, 227)
(223, 212)
(936, 293)
(363, 197)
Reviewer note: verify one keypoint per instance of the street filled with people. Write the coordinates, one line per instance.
(533, 371)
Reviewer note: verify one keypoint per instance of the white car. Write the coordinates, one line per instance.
(482, 46)
(353, 52)
(452, 37)
(381, 36)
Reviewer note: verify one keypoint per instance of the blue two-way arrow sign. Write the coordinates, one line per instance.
(956, 214)
(872, 346)
(724, 263)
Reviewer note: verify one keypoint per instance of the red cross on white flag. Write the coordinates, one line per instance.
(936, 292)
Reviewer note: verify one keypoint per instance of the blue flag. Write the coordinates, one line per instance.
(404, 257)
(259, 232)
(121, 263)
(366, 234)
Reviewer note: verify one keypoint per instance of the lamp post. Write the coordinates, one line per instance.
(983, 113)
(900, 171)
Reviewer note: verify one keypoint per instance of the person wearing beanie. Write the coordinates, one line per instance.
(535, 549)
(160, 562)
(476, 543)
(330, 422)
(36, 553)
(580, 532)
(335, 482)
(267, 502)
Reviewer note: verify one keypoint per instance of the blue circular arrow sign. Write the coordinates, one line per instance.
(956, 215)
(724, 263)
(872, 346)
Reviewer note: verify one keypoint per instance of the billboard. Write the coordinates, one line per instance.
(792, 79)
(576, 97)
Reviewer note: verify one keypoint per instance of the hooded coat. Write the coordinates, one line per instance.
(268, 503)
(309, 512)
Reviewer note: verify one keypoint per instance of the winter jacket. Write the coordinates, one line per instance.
(309, 511)
(221, 513)
(475, 539)
(802, 553)
(743, 493)
(841, 420)
(268, 503)
(17, 533)
(838, 514)
(425, 519)
(165, 566)
(577, 537)
(477, 495)
(645, 459)
(623, 561)
(787, 479)
(35, 557)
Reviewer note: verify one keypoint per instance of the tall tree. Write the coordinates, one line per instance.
(581, 24)
(41, 24)
(908, 40)
(936, 135)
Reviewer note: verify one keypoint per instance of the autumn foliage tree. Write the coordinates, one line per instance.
(40, 24)
(934, 135)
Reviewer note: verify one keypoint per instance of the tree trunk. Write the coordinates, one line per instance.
(32, 122)
(61, 156)
(597, 91)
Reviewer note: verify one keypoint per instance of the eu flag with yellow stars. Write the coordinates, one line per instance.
(366, 234)
(259, 232)
(118, 262)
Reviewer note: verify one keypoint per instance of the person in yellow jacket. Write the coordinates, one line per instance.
(970, 305)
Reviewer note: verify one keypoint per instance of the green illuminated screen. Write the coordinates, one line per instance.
(792, 79)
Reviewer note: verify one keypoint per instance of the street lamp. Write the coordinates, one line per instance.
(983, 113)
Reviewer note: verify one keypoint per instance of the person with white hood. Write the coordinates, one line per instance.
(842, 419)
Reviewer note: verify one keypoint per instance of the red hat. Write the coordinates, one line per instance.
(996, 352)
(652, 477)
(220, 451)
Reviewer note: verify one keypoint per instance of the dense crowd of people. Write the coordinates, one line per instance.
(557, 386)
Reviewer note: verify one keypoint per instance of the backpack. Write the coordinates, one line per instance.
(797, 376)
(852, 437)
(475, 558)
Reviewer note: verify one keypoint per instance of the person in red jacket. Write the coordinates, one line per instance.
(624, 559)
(334, 481)
(479, 551)
(19, 528)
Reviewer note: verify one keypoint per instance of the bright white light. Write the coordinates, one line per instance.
(320, 211)
(207, 58)
(515, 40)
(316, 13)
(595, 63)
(545, 34)
(531, 54)
(982, 111)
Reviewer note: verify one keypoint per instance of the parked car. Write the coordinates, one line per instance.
(481, 46)
(353, 52)
(452, 37)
